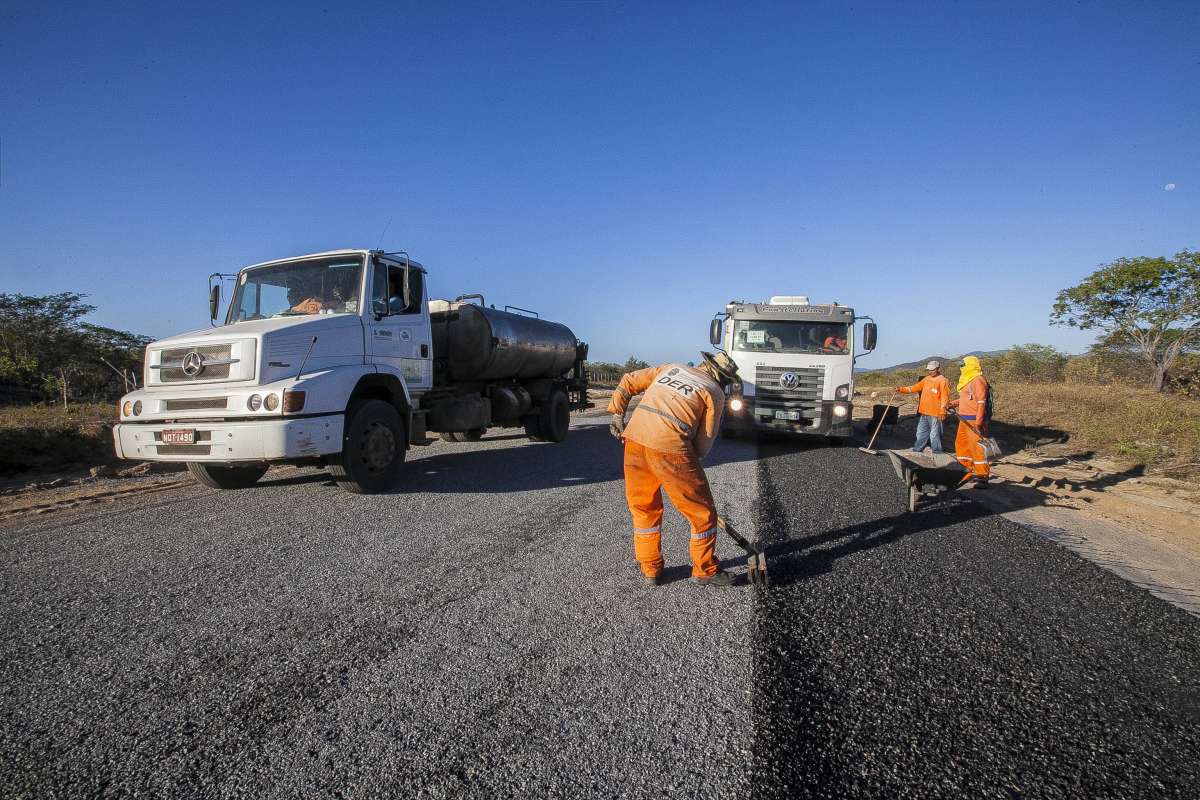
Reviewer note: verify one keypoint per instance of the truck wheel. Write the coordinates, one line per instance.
(216, 477)
(555, 419)
(372, 448)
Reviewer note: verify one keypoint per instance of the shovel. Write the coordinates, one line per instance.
(756, 560)
(882, 417)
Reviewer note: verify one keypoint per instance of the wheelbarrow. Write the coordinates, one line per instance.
(929, 478)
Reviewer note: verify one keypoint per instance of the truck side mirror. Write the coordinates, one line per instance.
(714, 332)
(214, 301)
(414, 286)
(870, 334)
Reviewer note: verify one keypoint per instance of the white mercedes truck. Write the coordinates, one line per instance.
(796, 366)
(340, 359)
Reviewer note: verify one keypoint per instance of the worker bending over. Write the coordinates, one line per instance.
(670, 430)
(974, 413)
(935, 399)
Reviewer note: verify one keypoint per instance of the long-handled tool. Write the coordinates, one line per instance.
(756, 560)
(882, 417)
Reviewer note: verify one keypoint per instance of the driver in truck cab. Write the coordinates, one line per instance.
(670, 430)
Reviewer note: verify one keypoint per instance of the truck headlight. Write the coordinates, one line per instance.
(127, 409)
(842, 392)
(840, 411)
(254, 402)
(736, 404)
(137, 408)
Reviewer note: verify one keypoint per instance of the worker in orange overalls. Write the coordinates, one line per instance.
(972, 402)
(670, 430)
(935, 399)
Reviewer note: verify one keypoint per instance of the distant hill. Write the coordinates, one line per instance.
(920, 363)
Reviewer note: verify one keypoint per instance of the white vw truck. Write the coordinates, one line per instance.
(340, 359)
(795, 365)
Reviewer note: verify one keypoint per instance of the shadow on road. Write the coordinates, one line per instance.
(589, 455)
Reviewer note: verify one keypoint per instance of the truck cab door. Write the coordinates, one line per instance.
(398, 334)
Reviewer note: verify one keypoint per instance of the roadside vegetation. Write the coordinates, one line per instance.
(45, 437)
(48, 353)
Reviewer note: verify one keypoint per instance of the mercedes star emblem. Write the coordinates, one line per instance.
(193, 364)
(788, 380)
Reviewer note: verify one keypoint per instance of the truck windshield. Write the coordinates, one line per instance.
(772, 336)
(313, 286)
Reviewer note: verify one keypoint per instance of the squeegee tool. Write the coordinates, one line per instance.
(756, 559)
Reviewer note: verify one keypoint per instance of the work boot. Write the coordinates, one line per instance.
(718, 578)
(653, 580)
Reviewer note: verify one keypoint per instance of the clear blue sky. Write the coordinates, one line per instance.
(624, 168)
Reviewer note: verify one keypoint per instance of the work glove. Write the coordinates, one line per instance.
(616, 426)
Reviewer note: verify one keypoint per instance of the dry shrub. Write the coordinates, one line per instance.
(1136, 425)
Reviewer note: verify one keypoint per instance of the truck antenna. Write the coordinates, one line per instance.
(384, 233)
(304, 361)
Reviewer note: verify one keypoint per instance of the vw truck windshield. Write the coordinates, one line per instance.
(777, 336)
(298, 288)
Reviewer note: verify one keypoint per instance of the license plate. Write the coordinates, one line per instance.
(792, 415)
(179, 436)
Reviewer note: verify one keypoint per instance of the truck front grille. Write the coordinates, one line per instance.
(805, 397)
(172, 361)
(193, 404)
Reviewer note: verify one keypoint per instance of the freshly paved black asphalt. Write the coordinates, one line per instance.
(484, 633)
(951, 653)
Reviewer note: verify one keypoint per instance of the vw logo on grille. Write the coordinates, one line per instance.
(193, 364)
(789, 380)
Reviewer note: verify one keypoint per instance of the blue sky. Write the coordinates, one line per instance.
(623, 168)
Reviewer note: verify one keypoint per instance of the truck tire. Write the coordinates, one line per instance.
(373, 448)
(216, 477)
(555, 419)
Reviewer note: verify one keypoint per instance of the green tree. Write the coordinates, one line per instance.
(46, 348)
(633, 364)
(1151, 304)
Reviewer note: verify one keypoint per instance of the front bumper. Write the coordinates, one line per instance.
(220, 442)
(828, 424)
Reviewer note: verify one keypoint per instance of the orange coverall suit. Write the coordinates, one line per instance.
(972, 403)
(672, 428)
(935, 395)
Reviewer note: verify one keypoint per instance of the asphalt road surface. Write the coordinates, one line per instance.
(485, 633)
